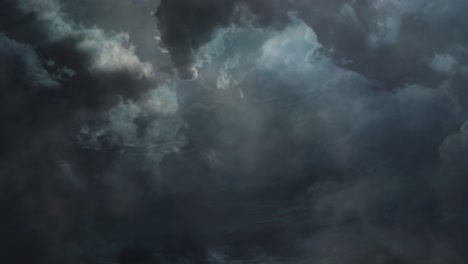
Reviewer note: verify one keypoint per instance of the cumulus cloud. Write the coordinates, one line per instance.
(310, 132)
(72, 95)
(443, 63)
(326, 147)
(357, 33)
(184, 34)
(36, 75)
(112, 53)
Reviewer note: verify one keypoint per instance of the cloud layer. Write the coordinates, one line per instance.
(302, 131)
(78, 107)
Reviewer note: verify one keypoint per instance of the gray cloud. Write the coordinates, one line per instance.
(36, 75)
(315, 132)
(398, 39)
(337, 158)
(186, 25)
(79, 109)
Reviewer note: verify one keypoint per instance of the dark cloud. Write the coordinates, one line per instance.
(389, 42)
(74, 100)
(186, 25)
(316, 132)
(294, 146)
(393, 43)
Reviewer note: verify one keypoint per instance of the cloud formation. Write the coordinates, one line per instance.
(310, 131)
(399, 39)
(76, 103)
(323, 153)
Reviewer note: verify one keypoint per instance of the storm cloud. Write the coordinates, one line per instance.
(74, 100)
(245, 131)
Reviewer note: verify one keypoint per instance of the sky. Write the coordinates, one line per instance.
(233, 131)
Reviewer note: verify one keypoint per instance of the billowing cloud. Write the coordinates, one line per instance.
(398, 39)
(72, 95)
(186, 25)
(315, 144)
(310, 131)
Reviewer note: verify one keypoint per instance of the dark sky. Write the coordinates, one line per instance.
(233, 131)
